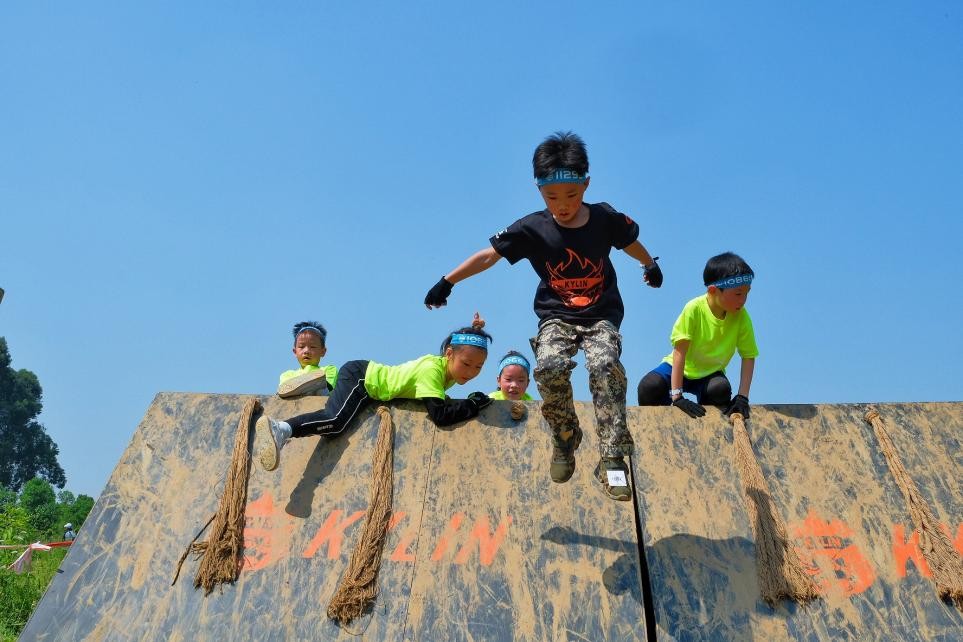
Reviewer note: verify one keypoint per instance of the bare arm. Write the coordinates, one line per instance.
(477, 262)
(745, 376)
(678, 364)
(638, 252)
(651, 272)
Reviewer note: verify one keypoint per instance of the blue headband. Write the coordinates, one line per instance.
(562, 176)
(733, 281)
(476, 340)
(311, 328)
(514, 360)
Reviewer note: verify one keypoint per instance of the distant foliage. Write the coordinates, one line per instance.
(19, 594)
(73, 510)
(36, 514)
(30, 511)
(26, 450)
(37, 498)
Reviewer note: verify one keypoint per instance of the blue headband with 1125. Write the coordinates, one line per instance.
(562, 176)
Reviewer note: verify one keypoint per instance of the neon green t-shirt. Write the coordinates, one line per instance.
(712, 341)
(330, 373)
(498, 395)
(422, 378)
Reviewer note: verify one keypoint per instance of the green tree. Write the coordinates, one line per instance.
(82, 508)
(73, 510)
(26, 450)
(7, 497)
(15, 525)
(37, 498)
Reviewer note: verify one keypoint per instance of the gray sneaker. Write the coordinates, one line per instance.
(615, 464)
(312, 383)
(269, 438)
(563, 457)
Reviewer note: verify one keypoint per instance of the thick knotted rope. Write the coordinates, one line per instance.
(781, 573)
(940, 556)
(359, 585)
(222, 554)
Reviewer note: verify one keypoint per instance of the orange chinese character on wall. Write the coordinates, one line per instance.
(817, 538)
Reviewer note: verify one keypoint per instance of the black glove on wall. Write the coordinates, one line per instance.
(690, 408)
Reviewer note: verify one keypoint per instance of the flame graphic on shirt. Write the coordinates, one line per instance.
(577, 281)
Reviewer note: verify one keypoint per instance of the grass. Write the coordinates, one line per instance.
(19, 594)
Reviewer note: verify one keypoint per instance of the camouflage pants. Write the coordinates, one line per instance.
(556, 344)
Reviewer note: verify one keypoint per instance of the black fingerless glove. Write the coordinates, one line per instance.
(653, 274)
(689, 407)
(740, 404)
(479, 399)
(438, 294)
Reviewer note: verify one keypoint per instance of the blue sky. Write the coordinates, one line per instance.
(180, 183)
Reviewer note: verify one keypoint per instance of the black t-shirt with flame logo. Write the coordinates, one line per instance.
(578, 283)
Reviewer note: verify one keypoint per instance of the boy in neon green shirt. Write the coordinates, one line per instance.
(708, 332)
(311, 378)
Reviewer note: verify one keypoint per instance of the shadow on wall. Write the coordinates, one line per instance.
(327, 452)
(794, 411)
(622, 576)
(704, 589)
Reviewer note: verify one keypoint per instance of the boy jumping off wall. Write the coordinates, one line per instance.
(577, 303)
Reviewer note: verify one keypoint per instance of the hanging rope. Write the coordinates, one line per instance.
(781, 574)
(359, 585)
(222, 554)
(940, 556)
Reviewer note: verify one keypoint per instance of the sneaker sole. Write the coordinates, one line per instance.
(577, 437)
(608, 489)
(618, 498)
(562, 480)
(264, 444)
(292, 388)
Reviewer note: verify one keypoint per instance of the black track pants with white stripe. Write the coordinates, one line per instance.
(347, 399)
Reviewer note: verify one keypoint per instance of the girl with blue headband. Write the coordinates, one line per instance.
(463, 354)
(514, 371)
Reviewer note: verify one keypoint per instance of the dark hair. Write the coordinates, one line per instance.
(469, 330)
(561, 150)
(516, 353)
(310, 326)
(724, 265)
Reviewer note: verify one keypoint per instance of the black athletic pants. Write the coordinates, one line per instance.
(713, 390)
(347, 399)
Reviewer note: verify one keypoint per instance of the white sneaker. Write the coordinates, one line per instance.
(269, 438)
(312, 383)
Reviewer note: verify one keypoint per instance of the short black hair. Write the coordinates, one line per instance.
(469, 330)
(561, 150)
(310, 326)
(723, 266)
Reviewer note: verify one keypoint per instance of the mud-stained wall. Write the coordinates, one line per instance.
(532, 560)
(301, 522)
(482, 546)
(846, 519)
